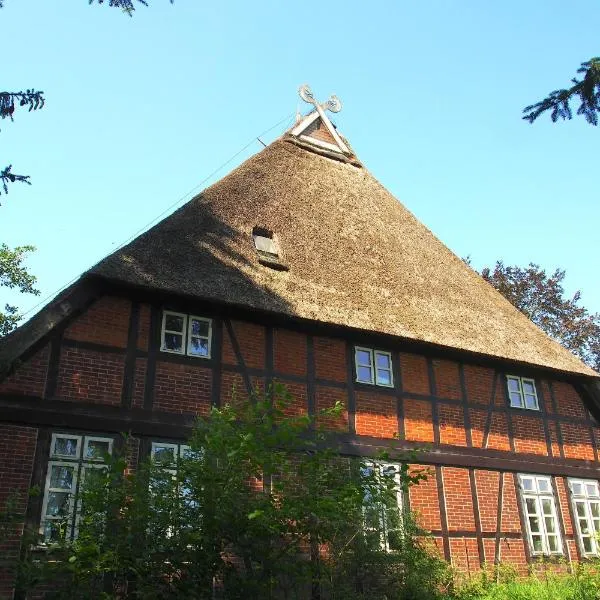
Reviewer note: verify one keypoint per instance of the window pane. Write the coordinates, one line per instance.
(383, 360)
(587, 545)
(384, 377)
(528, 387)
(164, 454)
(531, 506)
(365, 374)
(534, 524)
(527, 483)
(64, 446)
(595, 509)
(394, 540)
(530, 401)
(173, 342)
(515, 400)
(265, 244)
(591, 489)
(537, 543)
(543, 486)
(513, 385)
(174, 323)
(577, 489)
(546, 506)
(553, 543)
(58, 504)
(96, 449)
(53, 531)
(583, 525)
(200, 328)
(363, 358)
(550, 525)
(198, 346)
(61, 477)
(580, 509)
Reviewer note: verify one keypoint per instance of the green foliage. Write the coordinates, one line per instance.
(261, 506)
(503, 583)
(587, 89)
(13, 274)
(540, 296)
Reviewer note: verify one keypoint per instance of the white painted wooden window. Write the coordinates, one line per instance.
(522, 392)
(585, 497)
(373, 366)
(539, 509)
(70, 457)
(186, 334)
(382, 516)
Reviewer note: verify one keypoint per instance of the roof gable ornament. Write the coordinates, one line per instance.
(309, 124)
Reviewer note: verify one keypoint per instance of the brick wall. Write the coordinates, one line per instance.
(17, 450)
(182, 388)
(105, 322)
(90, 376)
(428, 402)
(29, 379)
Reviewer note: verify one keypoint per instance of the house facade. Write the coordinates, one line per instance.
(300, 268)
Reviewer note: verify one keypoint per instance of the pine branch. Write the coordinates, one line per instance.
(7, 176)
(559, 101)
(127, 6)
(34, 100)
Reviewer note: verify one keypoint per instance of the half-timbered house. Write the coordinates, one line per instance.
(300, 267)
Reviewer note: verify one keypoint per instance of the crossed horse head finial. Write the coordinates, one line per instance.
(334, 104)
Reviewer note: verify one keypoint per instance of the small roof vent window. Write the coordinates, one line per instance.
(267, 249)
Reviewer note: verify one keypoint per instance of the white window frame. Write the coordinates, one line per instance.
(537, 496)
(521, 392)
(79, 464)
(593, 523)
(383, 529)
(186, 334)
(208, 338)
(373, 354)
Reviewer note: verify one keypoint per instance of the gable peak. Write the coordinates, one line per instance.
(316, 128)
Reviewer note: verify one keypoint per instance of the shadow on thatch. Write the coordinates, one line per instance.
(195, 253)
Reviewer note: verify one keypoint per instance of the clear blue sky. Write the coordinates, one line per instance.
(141, 110)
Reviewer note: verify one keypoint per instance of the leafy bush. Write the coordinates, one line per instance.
(261, 506)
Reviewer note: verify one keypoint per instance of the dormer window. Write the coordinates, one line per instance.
(267, 249)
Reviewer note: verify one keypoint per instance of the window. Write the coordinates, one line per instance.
(166, 454)
(373, 366)
(70, 457)
(522, 393)
(586, 506)
(540, 514)
(267, 249)
(383, 515)
(186, 334)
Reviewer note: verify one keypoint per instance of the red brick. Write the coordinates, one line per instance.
(330, 359)
(415, 377)
(29, 378)
(418, 424)
(105, 322)
(182, 388)
(90, 376)
(376, 415)
(447, 379)
(290, 352)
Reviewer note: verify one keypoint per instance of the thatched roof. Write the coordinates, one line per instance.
(356, 257)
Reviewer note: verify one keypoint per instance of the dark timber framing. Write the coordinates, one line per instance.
(148, 423)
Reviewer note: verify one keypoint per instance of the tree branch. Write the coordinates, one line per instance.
(559, 101)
